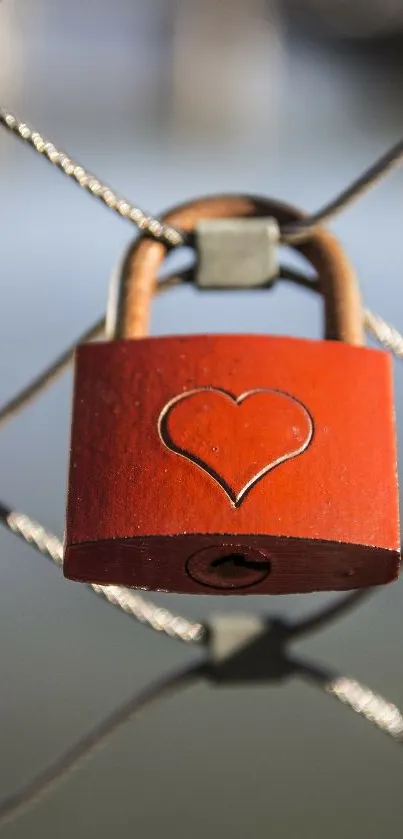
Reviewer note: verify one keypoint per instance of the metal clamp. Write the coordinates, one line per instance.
(236, 252)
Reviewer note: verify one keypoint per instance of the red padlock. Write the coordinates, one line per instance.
(238, 464)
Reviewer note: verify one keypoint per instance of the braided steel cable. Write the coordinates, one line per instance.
(290, 234)
(89, 182)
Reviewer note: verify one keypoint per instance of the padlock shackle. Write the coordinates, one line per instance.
(337, 280)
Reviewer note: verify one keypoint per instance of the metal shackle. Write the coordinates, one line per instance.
(336, 277)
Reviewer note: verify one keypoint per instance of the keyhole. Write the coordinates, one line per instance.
(222, 568)
(234, 565)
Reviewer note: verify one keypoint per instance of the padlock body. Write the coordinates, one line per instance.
(232, 464)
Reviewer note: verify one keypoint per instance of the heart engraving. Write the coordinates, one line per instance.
(237, 440)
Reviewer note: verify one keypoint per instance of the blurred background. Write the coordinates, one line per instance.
(166, 100)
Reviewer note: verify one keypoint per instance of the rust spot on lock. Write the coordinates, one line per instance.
(228, 566)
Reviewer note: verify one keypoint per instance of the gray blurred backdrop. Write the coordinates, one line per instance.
(166, 101)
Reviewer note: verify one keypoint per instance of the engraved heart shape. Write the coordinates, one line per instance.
(237, 440)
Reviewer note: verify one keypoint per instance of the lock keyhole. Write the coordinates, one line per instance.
(222, 567)
(233, 566)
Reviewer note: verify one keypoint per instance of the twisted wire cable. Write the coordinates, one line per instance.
(371, 706)
(363, 701)
(290, 233)
(384, 333)
(130, 602)
(299, 231)
(89, 182)
(45, 782)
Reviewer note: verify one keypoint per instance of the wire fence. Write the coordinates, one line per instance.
(275, 637)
